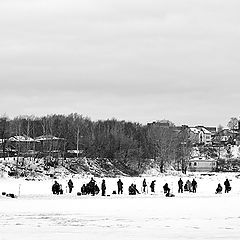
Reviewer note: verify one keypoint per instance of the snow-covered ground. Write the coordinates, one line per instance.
(37, 214)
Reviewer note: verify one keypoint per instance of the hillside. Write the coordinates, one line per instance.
(37, 168)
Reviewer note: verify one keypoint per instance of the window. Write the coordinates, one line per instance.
(195, 164)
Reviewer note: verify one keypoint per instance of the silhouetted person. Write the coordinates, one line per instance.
(219, 189)
(120, 186)
(103, 188)
(227, 186)
(55, 188)
(166, 189)
(96, 189)
(133, 189)
(83, 189)
(91, 186)
(144, 185)
(70, 185)
(188, 186)
(152, 186)
(194, 185)
(180, 186)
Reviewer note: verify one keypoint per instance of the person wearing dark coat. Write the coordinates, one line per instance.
(152, 186)
(144, 185)
(92, 186)
(227, 186)
(83, 190)
(55, 188)
(188, 186)
(96, 189)
(180, 186)
(194, 185)
(103, 188)
(120, 186)
(70, 185)
(219, 189)
(133, 189)
(166, 189)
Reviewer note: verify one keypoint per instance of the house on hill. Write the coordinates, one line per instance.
(50, 145)
(225, 137)
(21, 144)
(200, 135)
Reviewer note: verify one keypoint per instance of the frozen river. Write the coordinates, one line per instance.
(203, 215)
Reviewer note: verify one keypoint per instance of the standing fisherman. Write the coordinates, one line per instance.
(227, 186)
(180, 186)
(194, 185)
(144, 185)
(56, 188)
(120, 186)
(70, 185)
(92, 184)
(103, 187)
(152, 186)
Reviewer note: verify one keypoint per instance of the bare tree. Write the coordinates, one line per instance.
(163, 140)
(184, 147)
(4, 132)
(233, 123)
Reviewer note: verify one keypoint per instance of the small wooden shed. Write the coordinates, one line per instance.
(202, 164)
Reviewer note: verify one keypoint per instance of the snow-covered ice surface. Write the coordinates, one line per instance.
(37, 214)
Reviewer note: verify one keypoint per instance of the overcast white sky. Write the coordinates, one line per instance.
(138, 60)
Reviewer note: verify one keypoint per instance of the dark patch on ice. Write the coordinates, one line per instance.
(183, 218)
(196, 227)
(122, 225)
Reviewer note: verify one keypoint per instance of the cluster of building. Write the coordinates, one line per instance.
(205, 137)
(198, 135)
(27, 146)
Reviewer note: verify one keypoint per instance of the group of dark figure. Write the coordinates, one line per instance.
(226, 185)
(57, 188)
(188, 186)
(133, 189)
(86, 189)
(93, 189)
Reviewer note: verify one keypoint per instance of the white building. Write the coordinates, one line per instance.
(202, 164)
(200, 135)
